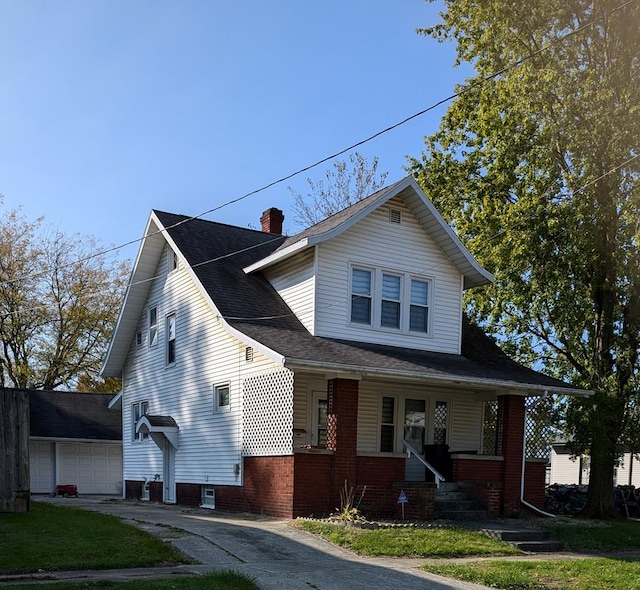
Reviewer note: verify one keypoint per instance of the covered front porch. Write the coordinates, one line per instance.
(409, 438)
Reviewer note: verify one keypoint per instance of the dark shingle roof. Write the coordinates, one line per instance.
(66, 414)
(250, 304)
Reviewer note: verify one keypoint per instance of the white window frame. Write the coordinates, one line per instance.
(377, 278)
(152, 314)
(138, 410)
(172, 260)
(394, 424)
(370, 295)
(171, 339)
(217, 389)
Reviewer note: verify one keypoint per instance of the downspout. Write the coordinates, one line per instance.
(524, 461)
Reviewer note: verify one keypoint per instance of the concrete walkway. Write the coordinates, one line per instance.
(275, 554)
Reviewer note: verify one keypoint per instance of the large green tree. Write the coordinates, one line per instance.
(59, 301)
(537, 168)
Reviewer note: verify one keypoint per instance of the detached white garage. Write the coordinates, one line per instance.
(75, 440)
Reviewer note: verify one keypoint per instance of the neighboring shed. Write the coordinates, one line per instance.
(75, 439)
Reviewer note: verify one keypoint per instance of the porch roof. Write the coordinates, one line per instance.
(482, 363)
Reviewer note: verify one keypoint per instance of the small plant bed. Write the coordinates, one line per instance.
(568, 574)
(52, 537)
(408, 541)
(224, 580)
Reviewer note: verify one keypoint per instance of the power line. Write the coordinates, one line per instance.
(461, 92)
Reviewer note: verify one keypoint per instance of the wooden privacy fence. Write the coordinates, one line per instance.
(14, 450)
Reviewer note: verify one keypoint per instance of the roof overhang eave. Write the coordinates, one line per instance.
(513, 387)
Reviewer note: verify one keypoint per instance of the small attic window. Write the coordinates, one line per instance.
(395, 216)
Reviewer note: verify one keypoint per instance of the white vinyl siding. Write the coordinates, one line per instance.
(184, 392)
(401, 249)
(294, 280)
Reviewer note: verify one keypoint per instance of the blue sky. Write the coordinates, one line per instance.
(111, 108)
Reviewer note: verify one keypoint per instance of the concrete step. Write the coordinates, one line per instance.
(538, 546)
(448, 496)
(453, 505)
(530, 540)
(460, 514)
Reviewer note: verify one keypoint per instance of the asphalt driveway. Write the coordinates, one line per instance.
(275, 554)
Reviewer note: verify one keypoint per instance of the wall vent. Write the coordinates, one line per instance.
(208, 497)
(248, 354)
(395, 216)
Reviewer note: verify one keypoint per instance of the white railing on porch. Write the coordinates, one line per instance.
(411, 450)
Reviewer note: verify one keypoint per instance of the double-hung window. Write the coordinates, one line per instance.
(171, 339)
(390, 301)
(361, 281)
(387, 424)
(419, 309)
(138, 410)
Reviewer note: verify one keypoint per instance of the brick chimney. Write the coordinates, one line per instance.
(271, 221)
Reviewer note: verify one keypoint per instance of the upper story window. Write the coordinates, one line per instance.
(172, 259)
(153, 325)
(361, 281)
(390, 304)
(171, 339)
(396, 301)
(138, 410)
(419, 310)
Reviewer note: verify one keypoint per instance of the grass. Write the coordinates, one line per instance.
(410, 542)
(598, 536)
(59, 538)
(569, 574)
(226, 580)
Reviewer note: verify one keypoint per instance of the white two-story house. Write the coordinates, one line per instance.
(262, 372)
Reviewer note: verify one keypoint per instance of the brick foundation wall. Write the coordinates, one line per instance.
(479, 470)
(379, 474)
(189, 494)
(313, 495)
(421, 500)
(133, 489)
(268, 485)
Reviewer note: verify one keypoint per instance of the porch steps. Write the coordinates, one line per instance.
(454, 503)
(529, 540)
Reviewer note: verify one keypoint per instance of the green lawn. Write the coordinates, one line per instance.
(410, 542)
(598, 536)
(219, 581)
(59, 538)
(569, 574)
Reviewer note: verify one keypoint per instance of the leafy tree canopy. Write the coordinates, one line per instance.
(537, 168)
(59, 301)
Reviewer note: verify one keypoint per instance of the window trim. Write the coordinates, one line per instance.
(217, 408)
(376, 299)
(172, 260)
(152, 330)
(170, 346)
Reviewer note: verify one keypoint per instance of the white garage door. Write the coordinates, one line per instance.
(41, 466)
(94, 467)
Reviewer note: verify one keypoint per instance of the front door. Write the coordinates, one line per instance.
(169, 472)
(415, 431)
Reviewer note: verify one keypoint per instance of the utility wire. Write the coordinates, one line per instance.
(461, 92)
